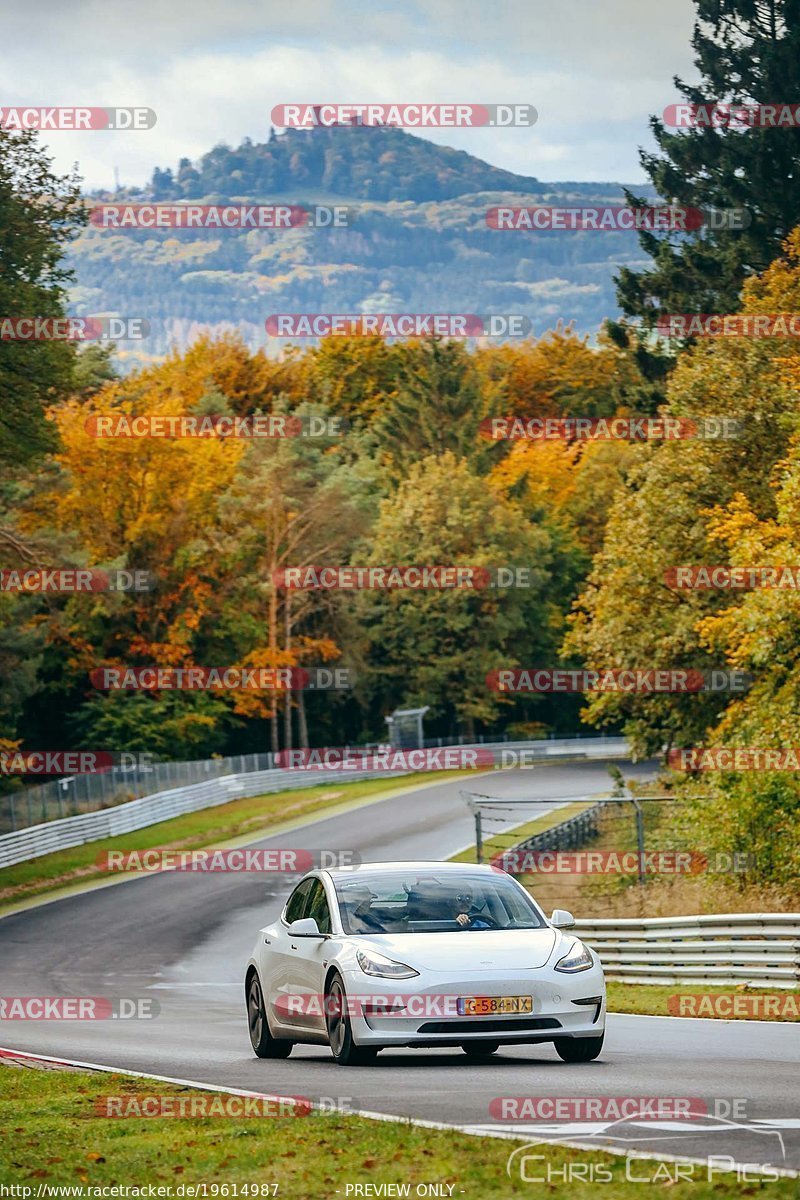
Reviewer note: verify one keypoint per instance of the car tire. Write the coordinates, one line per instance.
(261, 1039)
(575, 1050)
(340, 1030)
(480, 1049)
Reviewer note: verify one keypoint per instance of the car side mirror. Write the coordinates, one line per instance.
(562, 919)
(307, 928)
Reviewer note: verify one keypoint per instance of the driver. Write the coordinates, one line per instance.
(468, 915)
(361, 919)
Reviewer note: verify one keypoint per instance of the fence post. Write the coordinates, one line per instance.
(478, 836)
(639, 838)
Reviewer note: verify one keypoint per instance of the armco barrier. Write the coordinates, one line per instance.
(730, 950)
(571, 834)
(37, 840)
(727, 951)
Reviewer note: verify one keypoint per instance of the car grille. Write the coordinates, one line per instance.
(501, 1025)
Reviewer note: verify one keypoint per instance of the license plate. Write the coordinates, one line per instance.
(484, 1006)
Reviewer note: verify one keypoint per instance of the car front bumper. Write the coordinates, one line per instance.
(392, 1013)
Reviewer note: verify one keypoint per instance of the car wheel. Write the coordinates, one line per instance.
(340, 1030)
(262, 1041)
(480, 1049)
(578, 1049)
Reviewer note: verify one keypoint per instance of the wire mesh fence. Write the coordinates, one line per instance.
(77, 794)
(137, 776)
(600, 854)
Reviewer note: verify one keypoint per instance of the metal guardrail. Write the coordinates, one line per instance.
(136, 776)
(33, 842)
(151, 810)
(729, 950)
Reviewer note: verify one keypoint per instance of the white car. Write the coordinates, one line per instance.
(421, 954)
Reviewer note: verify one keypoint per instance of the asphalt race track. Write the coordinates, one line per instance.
(184, 938)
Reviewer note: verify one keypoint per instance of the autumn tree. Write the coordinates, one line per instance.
(628, 615)
(436, 647)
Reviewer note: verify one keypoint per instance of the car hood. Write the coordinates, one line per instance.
(467, 950)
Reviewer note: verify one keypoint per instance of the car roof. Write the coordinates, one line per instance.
(386, 868)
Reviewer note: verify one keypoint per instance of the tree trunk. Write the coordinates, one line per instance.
(302, 727)
(287, 712)
(272, 637)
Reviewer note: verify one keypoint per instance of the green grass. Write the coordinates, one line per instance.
(247, 819)
(50, 1134)
(653, 999)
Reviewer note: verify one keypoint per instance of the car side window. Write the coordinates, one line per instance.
(296, 904)
(317, 907)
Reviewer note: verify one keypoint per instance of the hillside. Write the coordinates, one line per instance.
(420, 242)
(365, 162)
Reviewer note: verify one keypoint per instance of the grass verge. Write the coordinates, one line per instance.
(761, 1004)
(247, 819)
(51, 1136)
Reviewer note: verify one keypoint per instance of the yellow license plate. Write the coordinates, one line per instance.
(484, 1006)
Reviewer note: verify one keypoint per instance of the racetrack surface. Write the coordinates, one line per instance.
(184, 938)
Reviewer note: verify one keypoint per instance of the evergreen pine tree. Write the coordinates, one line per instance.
(747, 52)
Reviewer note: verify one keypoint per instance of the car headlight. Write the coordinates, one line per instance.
(577, 958)
(372, 963)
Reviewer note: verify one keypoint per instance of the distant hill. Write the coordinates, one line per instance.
(420, 242)
(363, 162)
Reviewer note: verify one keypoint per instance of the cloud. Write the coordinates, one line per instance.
(213, 71)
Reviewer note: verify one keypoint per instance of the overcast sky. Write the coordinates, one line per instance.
(213, 69)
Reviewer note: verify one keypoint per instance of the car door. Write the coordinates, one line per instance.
(278, 958)
(307, 960)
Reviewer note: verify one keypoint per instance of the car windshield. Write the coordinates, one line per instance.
(420, 901)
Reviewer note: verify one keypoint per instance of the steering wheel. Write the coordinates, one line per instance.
(485, 917)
